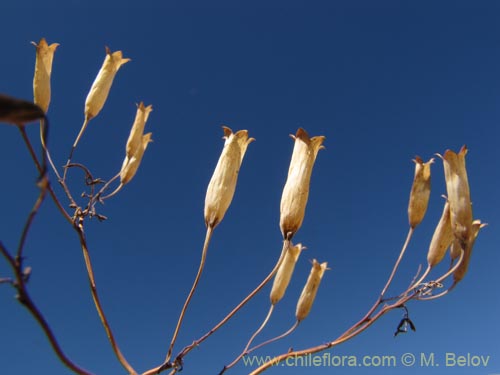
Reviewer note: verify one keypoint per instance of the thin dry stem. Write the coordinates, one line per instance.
(396, 265)
(188, 348)
(40, 169)
(75, 144)
(97, 302)
(24, 298)
(283, 335)
(245, 351)
(191, 292)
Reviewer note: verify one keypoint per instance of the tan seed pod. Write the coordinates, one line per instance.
(420, 191)
(135, 138)
(43, 70)
(222, 185)
(131, 164)
(462, 268)
(310, 289)
(296, 190)
(102, 84)
(441, 239)
(285, 271)
(457, 187)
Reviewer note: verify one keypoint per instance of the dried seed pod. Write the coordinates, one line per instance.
(131, 164)
(462, 268)
(296, 190)
(420, 191)
(285, 271)
(457, 186)
(102, 84)
(222, 185)
(441, 239)
(43, 70)
(19, 112)
(136, 133)
(310, 289)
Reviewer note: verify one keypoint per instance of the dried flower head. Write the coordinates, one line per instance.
(457, 186)
(222, 185)
(441, 239)
(296, 190)
(102, 84)
(43, 70)
(285, 271)
(464, 265)
(420, 191)
(136, 133)
(310, 289)
(131, 163)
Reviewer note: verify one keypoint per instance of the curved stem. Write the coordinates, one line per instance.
(396, 265)
(191, 292)
(283, 335)
(25, 299)
(75, 144)
(40, 169)
(245, 351)
(97, 302)
(188, 348)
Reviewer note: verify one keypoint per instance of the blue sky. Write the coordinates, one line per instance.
(383, 81)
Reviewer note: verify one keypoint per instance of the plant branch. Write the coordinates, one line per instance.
(24, 298)
(97, 302)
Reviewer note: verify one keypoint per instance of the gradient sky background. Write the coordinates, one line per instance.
(382, 80)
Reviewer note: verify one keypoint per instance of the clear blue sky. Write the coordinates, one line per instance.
(382, 80)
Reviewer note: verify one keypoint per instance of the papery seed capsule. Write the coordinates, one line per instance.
(441, 239)
(222, 185)
(102, 84)
(135, 138)
(43, 70)
(296, 190)
(420, 191)
(310, 289)
(131, 164)
(285, 271)
(462, 268)
(457, 187)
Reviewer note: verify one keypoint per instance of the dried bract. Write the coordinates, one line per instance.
(285, 271)
(222, 185)
(43, 70)
(441, 239)
(296, 190)
(464, 265)
(420, 191)
(131, 164)
(457, 186)
(310, 289)
(102, 84)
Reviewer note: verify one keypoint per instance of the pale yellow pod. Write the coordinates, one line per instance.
(420, 191)
(285, 271)
(43, 70)
(310, 289)
(102, 84)
(135, 138)
(441, 239)
(462, 268)
(296, 190)
(222, 185)
(131, 164)
(457, 187)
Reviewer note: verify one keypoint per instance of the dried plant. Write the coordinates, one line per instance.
(456, 230)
